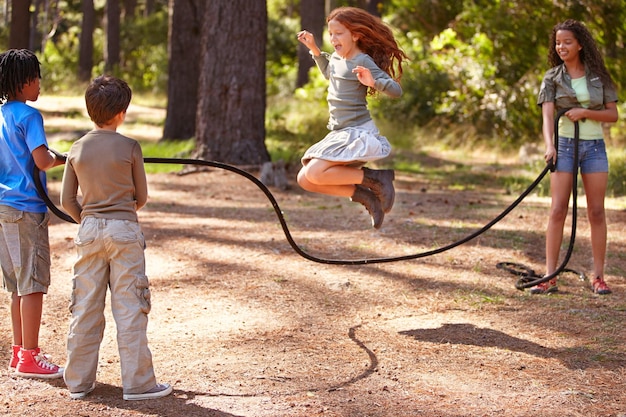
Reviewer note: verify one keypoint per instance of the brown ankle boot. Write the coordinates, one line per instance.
(366, 197)
(380, 181)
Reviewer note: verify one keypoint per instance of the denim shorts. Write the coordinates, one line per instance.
(591, 156)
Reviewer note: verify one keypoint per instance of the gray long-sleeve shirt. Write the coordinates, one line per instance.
(347, 97)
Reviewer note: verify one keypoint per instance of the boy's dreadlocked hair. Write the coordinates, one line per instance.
(590, 55)
(17, 67)
(375, 38)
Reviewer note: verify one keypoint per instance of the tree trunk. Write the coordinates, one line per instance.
(183, 68)
(85, 53)
(33, 37)
(112, 49)
(19, 33)
(374, 7)
(6, 13)
(230, 122)
(49, 23)
(312, 18)
(149, 8)
(130, 7)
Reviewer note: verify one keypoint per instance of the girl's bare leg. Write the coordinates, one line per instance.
(560, 189)
(331, 178)
(595, 190)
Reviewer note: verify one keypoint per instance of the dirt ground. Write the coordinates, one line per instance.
(242, 325)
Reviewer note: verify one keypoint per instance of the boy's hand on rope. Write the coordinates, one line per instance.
(60, 156)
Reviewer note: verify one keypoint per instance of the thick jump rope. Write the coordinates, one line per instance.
(527, 277)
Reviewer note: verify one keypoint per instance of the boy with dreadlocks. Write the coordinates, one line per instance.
(366, 60)
(24, 246)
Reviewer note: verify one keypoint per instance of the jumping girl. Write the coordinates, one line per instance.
(366, 60)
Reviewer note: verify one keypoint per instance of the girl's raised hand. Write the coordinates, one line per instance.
(306, 38)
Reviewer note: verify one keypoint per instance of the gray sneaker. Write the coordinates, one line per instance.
(160, 390)
(82, 394)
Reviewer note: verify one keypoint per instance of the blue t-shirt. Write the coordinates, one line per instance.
(21, 132)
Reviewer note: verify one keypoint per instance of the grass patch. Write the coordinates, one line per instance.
(477, 299)
(166, 149)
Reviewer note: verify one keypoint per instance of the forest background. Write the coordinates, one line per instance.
(471, 83)
(242, 325)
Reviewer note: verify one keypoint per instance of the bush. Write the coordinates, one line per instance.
(617, 173)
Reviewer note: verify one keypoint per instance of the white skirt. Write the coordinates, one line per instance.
(352, 144)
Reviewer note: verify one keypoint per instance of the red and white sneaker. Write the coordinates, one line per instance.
(15, 357)
(598, 286)
(33, 364)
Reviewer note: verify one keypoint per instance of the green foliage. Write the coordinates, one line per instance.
(423, 84)
(456, 83)
(295, 122)
(59, 63)
(281, 60)
(144, 46)
(4, 37)
(426, 17)
(473, 76)
(166, 149)
(518, 31)
(62, 146)
(293, 126)
(617, 172)
(481, 63)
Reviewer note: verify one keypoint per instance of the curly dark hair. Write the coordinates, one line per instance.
(375, 38)
(590, 54)
(17, 67)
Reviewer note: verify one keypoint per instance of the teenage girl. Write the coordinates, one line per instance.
(580, 82)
